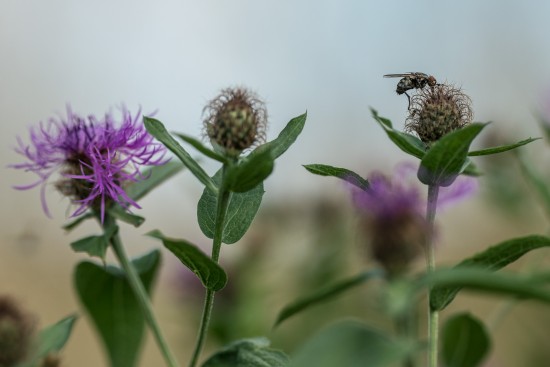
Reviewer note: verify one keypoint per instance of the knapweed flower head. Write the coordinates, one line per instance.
(393, 215)
(235, 120)
(16, 333)
(95, 157)
(437, 111)
(392, 218)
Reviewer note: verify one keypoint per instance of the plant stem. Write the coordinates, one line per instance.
(433, 316)
(221, 211)
(140, 293)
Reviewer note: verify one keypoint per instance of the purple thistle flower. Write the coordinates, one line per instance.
(390, 197)
(394, 214)
(95, 158)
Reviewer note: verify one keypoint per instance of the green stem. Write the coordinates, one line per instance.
(433, 317)
(140, 293)
(221, 211)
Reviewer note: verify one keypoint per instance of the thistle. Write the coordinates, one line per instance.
(436, 111)
(235, 120)
(94, 157)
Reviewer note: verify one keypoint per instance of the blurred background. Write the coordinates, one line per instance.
(326, 57)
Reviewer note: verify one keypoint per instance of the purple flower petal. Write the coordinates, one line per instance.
(99, 153)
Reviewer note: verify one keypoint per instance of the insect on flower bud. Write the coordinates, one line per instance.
(437, 111)
(16, 333)
(235, 120)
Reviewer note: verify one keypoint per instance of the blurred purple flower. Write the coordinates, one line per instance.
(394, 214)
(388, 197)
(95, 158)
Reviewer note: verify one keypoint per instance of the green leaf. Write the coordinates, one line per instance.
(242, 209)
(95, 245)
(494, 258)
(157, 129)
(52, 339)
(480, 279)
(248, 353)
(502, 148)
(341, 173)
(249, 172)
(351, 344)
(408, 143)
(471, 169)
(152, 178)
(123, 215)
(286, 137)
(198, 145)
(109, 300)
(447, 158)
(324, 294)
(75, 223)
(465, 341)
(209, 272)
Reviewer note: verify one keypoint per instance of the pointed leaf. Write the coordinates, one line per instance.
(75, 223)
(324, 294)
(109, 300)
(465, 341)
(341, 173)
(447, 158)
(249, 172)
(408, 143)
(198, 145)
(494, 258)
(53, 338)
(123, 215)
(502, 148)
(286, 137)
(210, 273)
(248, 353)
(513, 285)
(471, 169)
(157, 129)
(95, 245)
(351, 344)
(241, 211)
(152, 178)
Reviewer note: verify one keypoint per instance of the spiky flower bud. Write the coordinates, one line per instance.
(437, 111)
(235, 120)
(16, 332)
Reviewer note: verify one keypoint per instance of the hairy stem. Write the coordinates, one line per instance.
(433, 316)
(221, 211)
(140, 293)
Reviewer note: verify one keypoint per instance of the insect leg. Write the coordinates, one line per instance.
(409, 98)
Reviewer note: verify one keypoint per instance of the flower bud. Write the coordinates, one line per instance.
(392, 220)
(437, 111)
(16, 333)
(235, 120)
(395, 242)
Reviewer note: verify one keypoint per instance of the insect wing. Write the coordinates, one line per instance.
(403, 75)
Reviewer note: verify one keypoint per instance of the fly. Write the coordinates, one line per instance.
(412, 81)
